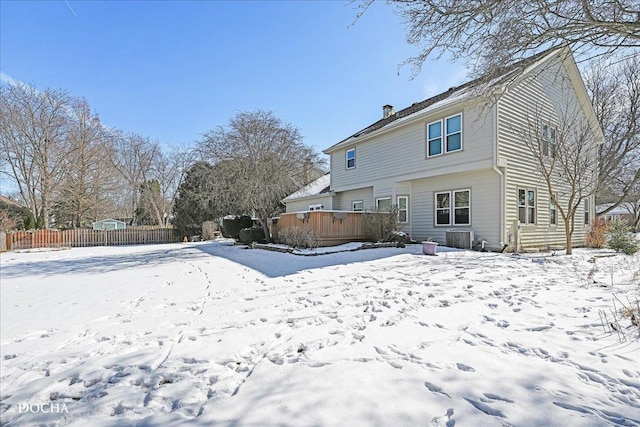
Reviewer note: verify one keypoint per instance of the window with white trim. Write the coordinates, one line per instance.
(548, 140)
(453, 207)
(357, 206)
(444, 136)
(587, 219)
(383, 204)
(403, 209)
(553, 213)
(351, 158)
(526, 206)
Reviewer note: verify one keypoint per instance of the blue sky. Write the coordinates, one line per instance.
(171, 70)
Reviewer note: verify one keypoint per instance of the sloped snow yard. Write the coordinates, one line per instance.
(214, 334)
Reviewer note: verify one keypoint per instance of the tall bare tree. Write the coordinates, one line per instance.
(132, 156)
(565, 154)
(614, 89)
(492, 33)
(34, 143)
(88, 176)
(164, 177)
(263, 157)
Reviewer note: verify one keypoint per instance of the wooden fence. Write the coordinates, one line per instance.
(82, 237)
(333, 227)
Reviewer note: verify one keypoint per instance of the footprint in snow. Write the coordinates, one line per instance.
(485, 408)
(465, 368)
(435, 389)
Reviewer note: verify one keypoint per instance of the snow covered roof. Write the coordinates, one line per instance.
(314, 188)
(455, 94)
(623, 209)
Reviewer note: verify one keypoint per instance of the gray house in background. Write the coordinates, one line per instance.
(109, 224)
(456, 164)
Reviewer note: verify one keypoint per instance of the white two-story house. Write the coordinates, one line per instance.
(459, 162)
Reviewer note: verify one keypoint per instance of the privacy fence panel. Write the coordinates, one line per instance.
(84, 237)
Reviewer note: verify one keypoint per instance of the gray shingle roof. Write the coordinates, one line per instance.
(490, 80)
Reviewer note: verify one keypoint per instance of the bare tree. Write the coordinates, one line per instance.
(34, 143)
(565, 154)
(166, 173)
(132, 156)
(264, 159)
(614, 89)
(88, 176)
(492, 33)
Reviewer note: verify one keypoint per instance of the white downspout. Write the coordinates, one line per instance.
(503, 226)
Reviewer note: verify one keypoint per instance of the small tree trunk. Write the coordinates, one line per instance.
(267, 236)
(568, 233)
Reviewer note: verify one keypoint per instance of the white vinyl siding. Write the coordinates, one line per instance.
(343, 201)
(399, 154)
(543, 94)
(485, 205)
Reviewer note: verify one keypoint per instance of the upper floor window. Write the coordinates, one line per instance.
(548, 140)
(453, 207)
(351, 158)
(526, 206)
(444, 136)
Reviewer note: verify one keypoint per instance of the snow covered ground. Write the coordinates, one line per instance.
(215, 334)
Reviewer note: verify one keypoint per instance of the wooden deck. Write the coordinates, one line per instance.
(333, 227)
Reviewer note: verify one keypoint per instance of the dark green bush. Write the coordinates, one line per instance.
(251, 234)
(231, 227)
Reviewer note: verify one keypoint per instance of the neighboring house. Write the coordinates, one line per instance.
(625, 211)
(109, 224)
(455, 162)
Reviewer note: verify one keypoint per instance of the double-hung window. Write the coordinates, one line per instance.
(444, 136)
(453, 207)
(587, 218)
(351, 158)
(526, 206)
(548, 140)
(383, 204)
(403, 209)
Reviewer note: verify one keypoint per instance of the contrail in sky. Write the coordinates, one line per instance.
(72, 11)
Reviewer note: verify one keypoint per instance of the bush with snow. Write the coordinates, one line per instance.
(620, 239)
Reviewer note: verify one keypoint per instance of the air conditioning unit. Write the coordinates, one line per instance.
(459, 239)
